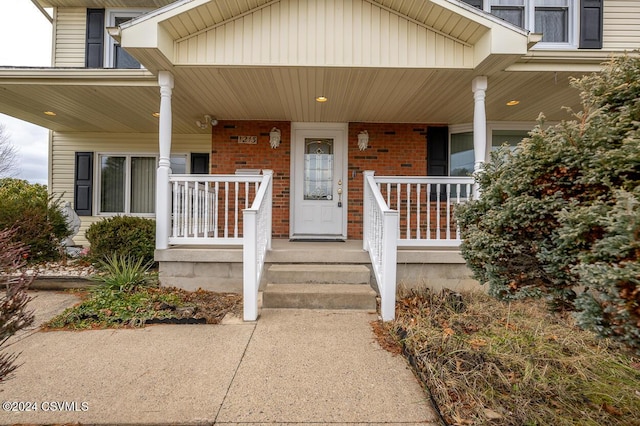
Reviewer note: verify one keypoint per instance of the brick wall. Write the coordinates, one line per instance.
(394, 149)
(227, 155)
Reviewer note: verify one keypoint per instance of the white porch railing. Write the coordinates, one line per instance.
(380, 239)
(426, 206)
(257, 240)
(206, 208)
(408, 211)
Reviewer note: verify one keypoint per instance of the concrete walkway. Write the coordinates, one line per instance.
(290, 367)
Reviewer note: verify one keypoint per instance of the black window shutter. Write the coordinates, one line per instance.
(199, 163)
(591, 24)
(95, 38)
(438, 157)
(83, 187)
(437, 151)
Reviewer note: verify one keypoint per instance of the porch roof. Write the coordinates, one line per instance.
(375, 60)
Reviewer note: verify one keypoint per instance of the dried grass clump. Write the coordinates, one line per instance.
(498, 363)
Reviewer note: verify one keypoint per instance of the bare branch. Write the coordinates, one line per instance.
(8, 154)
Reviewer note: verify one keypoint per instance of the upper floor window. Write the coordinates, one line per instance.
(114, 55)
(556, 20)
(102, 51)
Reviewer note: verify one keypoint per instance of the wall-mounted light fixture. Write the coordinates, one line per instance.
(274, 137)
(363, 140)
(206, 120)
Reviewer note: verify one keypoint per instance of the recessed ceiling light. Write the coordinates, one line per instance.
(513, 102)
(321, 99)
(156, 114)
(50, 113)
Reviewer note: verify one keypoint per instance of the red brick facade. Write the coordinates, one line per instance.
(394, 149)
(227, 155)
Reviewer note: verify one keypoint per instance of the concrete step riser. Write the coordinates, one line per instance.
(319, 274)
(319, 296)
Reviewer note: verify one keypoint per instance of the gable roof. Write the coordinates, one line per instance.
(353, 33)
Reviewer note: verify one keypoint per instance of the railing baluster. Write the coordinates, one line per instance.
(196, 208)
(458, 201)
(398, 205)
(206, 210)
(418, 208)
(408, 211)
(226, 209)
(235, 210)
(428, 211)
(174, 211)
(246, 195)
(448, 211)
(437, 211)
(216, 208)
(185, 211)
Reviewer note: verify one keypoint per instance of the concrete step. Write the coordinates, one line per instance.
(319, 296)
(318, 274)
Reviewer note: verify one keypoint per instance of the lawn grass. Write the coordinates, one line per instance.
(498, 363)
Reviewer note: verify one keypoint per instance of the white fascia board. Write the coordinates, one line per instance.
(501, 38)
(147, 32)
(148, 35)
(499, 41)
(165, 12)
(77, 77)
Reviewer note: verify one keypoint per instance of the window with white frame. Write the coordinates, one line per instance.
(462, 157)
(461, 153)
(554, 19)
(114, 55)
(127, 182)
(511, 138)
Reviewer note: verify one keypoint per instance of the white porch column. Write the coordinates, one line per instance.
(479, 87)
(163, 190)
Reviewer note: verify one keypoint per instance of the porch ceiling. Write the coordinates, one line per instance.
(125, 104)
(391, 87)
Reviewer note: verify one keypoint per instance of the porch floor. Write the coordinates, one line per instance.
(287, 251)
(219, 268)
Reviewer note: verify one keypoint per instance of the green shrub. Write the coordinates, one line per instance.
(126, 236)
(122, 273)
(558, 216)
(37, 216)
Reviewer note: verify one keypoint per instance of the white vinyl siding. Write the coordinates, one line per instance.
(319, 33)
(621, 25)
(65, 145)
(69, 33)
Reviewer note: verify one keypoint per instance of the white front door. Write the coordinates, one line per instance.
(319, 184)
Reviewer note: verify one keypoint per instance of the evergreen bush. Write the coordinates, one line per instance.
(558, 216)
(37, 217)
(125, 236)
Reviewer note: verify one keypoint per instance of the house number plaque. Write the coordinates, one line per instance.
(249, 140)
